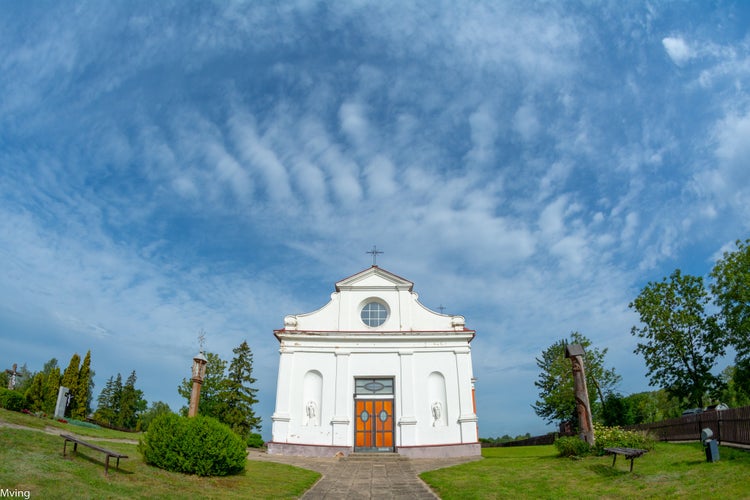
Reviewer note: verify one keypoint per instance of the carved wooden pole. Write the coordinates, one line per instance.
(575, 353)
(199, 373)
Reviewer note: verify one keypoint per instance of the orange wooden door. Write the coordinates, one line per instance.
(374, 424)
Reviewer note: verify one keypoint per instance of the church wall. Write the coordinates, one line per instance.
(428, 366)
(426, 353)
(312, 380)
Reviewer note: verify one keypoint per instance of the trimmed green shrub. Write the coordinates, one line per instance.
(255, 440)
(570, 446)
(198, 445)
(11, 400)
(616, 437)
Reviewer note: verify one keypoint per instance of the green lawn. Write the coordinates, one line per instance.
(670, 470)
(31, 460)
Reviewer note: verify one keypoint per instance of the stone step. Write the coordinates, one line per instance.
(374, 457)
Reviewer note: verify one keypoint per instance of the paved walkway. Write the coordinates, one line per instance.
(366, 477)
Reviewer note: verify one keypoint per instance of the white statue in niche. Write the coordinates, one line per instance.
(311, 410)
(437, 413)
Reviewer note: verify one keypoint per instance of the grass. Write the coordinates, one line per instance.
(670, 470)
(52, 425)
(31, 460)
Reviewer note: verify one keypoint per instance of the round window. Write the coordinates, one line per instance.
(374, 314)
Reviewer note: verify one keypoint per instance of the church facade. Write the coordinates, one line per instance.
(375, 371)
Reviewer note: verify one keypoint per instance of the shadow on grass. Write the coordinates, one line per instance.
(689, 462)
(607, 471)
(75, 456)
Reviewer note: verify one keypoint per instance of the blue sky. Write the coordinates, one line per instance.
(171, 167)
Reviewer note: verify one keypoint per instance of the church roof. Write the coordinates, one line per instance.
(374, 278)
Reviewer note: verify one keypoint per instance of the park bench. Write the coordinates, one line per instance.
(108, 453)
(629, 454)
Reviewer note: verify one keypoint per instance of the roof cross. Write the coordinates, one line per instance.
(374, 252)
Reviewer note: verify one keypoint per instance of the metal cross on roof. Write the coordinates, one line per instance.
(442, 308)
(374, 252)
(202, 339)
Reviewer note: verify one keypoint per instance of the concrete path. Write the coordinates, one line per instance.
(367, 476)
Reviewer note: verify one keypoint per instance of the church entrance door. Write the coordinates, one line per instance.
(373, 415)
(374, 425)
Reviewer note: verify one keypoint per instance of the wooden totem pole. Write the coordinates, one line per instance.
(575, 353)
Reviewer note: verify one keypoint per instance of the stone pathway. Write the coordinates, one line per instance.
(366, 476)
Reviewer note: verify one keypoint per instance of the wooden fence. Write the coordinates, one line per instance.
(532, 441)
(728, 426)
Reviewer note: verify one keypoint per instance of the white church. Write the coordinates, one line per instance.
(375, 371)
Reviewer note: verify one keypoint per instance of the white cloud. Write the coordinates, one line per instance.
(525, 122)
(727, 184)
(629, 231)
(256, 153)
(677, 49)
(354, 123)
(552, 218)
(484, 130)
(380, 174)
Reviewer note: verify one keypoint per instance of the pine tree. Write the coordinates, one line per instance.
(82, 391)
(70, 380)
(131, 403)
(104, 411)
(238, 394)
(116, 396)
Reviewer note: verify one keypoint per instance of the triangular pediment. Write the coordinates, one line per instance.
(374, 278)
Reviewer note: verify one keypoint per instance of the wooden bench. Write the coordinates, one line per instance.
(108, 453)
(629, 453)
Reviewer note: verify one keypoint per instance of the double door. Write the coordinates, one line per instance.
(373, 425)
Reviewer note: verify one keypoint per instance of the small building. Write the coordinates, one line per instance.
(375, 371)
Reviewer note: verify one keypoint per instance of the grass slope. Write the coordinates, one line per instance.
(670, 470)
(31, 460)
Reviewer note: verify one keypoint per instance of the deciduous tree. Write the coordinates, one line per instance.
(210, 389)
(157, 408)
(731, 291)
(681, 342)
(556, 394)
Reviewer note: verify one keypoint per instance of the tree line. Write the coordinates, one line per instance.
(78, 377)
(119, 405)
(685, 329)
(227, 395)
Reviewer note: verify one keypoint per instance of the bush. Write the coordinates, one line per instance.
(255, 440)
(569, 446)
(80, 423)
(199, 445)
(616, 437)
(11, 400)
